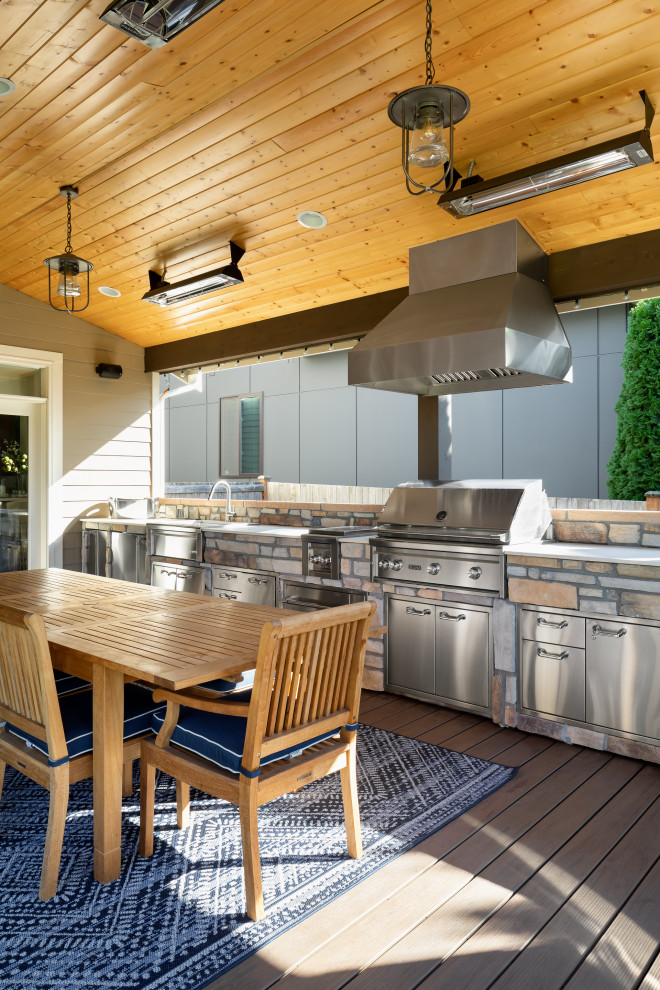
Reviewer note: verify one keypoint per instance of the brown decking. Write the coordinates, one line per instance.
(551, 882)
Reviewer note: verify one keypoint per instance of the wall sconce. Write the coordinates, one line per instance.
(477, 195)
(69, 267)
(426, 111)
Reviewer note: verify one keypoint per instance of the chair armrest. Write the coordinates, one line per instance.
(191, 699)
(376, 631)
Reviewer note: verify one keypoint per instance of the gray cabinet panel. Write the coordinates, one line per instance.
(212, 443)
(476, 424)
(282, 437)
(550, 433)
(328, 436)
(611, 379)
(187, 460)
(612, 324)
(386, 438)
(411, 646)
(582, 331)
(324, 371)
(233, 381)
(276, 377)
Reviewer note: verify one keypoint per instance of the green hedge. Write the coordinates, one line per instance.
(634, 467)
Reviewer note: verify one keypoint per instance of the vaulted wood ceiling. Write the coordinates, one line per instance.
(265, 108)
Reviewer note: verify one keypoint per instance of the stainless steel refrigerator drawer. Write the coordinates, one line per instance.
(553, 627)
(553, 680)
(175, 544)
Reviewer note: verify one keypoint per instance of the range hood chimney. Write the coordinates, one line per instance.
(479, 316)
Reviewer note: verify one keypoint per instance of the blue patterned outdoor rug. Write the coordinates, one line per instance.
(177, 921)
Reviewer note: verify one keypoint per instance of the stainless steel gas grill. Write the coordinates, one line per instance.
(452, 534)
(449, 536)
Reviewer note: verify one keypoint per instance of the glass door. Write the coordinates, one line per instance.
(14, 474)
(23, 505)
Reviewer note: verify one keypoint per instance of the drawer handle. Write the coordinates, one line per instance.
(227, 575)
(540, 652)
(553, 625)
(256, 580)
(613, 633)
(410, 610)
(227, 594)
(452, 618)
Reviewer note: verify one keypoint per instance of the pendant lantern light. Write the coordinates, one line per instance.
(424, 113)
(69, 268)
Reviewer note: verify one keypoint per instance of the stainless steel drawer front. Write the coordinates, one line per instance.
(553, 627)
(257, 587)
(553, 680)
(181, 546)
(623, 676)
(179, 577)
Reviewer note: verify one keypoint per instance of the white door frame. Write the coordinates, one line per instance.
(45, 412)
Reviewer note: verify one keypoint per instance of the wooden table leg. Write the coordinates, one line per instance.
(108, 686)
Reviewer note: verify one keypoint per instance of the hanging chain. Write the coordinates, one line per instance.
(68, 248)
(430, 67)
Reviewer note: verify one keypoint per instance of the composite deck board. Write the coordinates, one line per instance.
(552, 881)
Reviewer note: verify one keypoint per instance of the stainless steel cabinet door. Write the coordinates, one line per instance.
(462, 655)
(553, 679)
(623, 676)
(410, 646)
(95, 546)
(124, 556)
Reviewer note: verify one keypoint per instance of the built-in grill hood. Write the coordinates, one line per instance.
(479, 316)
(499, 511)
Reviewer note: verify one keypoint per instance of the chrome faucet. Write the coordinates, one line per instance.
(221, 483)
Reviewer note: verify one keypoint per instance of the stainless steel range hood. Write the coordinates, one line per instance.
(479, 316)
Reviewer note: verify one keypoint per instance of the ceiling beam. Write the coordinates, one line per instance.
(596, 269)
(322, 325)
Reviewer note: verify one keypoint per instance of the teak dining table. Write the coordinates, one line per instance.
(110, 632)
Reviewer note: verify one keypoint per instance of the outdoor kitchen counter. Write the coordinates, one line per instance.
(586, 551)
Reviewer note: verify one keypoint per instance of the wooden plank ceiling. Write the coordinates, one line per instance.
(262, 109)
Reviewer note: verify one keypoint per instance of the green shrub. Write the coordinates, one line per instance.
(634, 467)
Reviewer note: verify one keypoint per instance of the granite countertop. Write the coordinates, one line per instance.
(587, 551)
(249, 529)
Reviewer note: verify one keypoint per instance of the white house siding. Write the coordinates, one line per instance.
(106, 423)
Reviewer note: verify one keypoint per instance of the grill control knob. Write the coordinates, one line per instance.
(433, 569)
(385, 565)
(475, 573)
(397, 565)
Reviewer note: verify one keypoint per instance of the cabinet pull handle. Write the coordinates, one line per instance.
(540, 652)
(227, 594)
(256, 580)
(452, 618)
(227, 575)
(553, 625)
(410, 610)
(598, 630)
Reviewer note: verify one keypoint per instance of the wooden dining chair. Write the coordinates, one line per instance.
(298, 726)
(47, 737)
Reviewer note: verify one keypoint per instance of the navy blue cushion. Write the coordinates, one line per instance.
(139, 709)
(220, 738)
(66, 683)
(230, 687)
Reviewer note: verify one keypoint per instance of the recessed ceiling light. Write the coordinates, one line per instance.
(6, 86)
(312, 219)
(107, 291)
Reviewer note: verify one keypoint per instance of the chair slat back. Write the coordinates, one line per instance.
(309, 671)
(28, 696)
